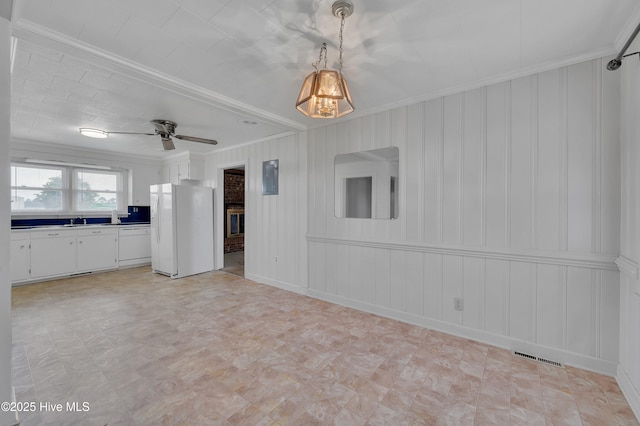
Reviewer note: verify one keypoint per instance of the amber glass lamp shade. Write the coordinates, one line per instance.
(324, 94)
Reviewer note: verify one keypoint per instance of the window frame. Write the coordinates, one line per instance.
(70, 194)
(76, 191)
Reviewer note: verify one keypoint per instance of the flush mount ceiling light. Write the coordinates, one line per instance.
(94, 133)
(324, 93)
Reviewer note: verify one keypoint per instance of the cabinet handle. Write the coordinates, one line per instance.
(80, 242)
(97, 232)
(53, 235)
(21, 247)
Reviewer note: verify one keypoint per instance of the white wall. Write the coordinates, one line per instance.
(275, 225)
(6, 389)
(629, 371)
(509, 198)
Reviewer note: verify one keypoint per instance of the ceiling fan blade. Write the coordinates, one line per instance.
(131, 133)
(194, 139)
(167, 144)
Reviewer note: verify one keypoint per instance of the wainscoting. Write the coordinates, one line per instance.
(509, 199)
(560, 308)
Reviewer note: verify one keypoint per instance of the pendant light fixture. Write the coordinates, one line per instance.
(324, 92)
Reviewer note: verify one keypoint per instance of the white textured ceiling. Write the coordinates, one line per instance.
(212, 65)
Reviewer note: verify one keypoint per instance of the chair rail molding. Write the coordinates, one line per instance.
(593, 261)
(628, 266)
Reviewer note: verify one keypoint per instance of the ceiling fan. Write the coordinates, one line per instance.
(166, 129)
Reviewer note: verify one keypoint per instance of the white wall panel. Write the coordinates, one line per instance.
(609, 300)
(452, 287)
(342, 264)
(398, 137)
(432, 285)
(496, 297)
(580, 131)
(415, 171)
(452, 169)
(398, 282)
(432, 186)
(383, 277)
(521, 179)
(473, 292)
(498, 112)
(549, 170)
(415, 282)
(629, 370)
(502, 203)
(275, 225)
(368, 275)
(550, 305)
(522, 301)
(580, 315)
(473, 167)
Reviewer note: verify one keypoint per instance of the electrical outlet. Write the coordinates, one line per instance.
(275, 259)
(458, 303)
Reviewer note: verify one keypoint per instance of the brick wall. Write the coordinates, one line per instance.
(233, 199)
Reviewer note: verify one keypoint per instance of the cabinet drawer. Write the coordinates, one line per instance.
(125, 232)
(19, 235)
(96, 231)
(53, 233)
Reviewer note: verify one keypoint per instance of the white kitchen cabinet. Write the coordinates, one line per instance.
(134, 246)
(20, 256)
(140, 181)
(186, 166)
(53, 253)
(97, 249)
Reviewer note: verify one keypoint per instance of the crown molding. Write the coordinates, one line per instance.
(475, 84)
(627, 29)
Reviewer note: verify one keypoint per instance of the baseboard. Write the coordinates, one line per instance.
(275, 283)
(123, 264)
(565, 357)
(629, 390)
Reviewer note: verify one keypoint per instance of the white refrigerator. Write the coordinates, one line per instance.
(181, 229)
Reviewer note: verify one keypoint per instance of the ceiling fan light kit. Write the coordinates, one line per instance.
(94, 133)
(324, 92)
(164, 128)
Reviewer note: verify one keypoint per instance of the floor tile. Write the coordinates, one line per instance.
(215, 348)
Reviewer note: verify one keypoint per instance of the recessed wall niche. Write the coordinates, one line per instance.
(366, 184)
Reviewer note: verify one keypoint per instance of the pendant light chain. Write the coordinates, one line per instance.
(323, 55)
(341, 28)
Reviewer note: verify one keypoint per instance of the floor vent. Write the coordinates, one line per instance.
(536, 358)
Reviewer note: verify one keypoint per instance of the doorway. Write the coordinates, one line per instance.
(234, 220)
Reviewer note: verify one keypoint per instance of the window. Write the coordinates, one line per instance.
(97, 190)
(37, 189)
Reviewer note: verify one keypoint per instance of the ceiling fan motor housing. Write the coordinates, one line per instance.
(168, 126)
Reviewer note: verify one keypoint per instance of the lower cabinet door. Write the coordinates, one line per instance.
(53, 256)
(20, 261)
(97, 252)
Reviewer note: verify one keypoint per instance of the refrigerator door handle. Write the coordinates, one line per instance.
(158, 219)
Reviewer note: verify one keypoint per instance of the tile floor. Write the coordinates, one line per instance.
(234, 263)
(215, 348)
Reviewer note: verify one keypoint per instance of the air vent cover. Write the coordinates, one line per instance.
(537, 358)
